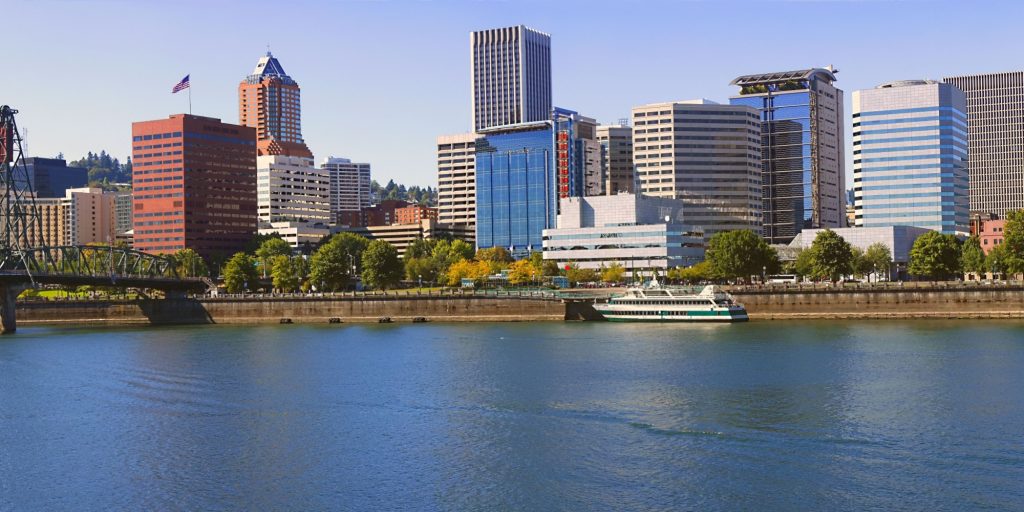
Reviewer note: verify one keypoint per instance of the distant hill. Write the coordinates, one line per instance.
(414, 194)
(104, 170)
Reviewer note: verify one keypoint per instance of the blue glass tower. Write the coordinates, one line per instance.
(801, 149)
(516, 198)
(910, 150)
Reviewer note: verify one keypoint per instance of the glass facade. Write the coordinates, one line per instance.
(803, 169)
(787, 181)
(516, 196)
(915, 172)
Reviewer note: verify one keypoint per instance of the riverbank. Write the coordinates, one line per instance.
(938, 301)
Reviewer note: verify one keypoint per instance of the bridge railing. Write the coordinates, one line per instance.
(89, 260)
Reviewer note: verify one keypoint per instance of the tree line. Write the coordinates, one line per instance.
(740, 255)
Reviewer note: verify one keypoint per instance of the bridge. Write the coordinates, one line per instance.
(25, 262)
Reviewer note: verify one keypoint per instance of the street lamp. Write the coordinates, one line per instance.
(420, 279)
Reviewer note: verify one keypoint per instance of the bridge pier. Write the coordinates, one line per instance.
(8, 311)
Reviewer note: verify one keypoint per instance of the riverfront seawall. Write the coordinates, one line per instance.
(251, 310)
(916, 300)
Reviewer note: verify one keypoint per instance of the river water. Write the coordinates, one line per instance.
(543, 416)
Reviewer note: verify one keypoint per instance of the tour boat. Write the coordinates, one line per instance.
(655, 303)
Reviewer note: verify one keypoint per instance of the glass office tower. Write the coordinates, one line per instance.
(801, 148)
(516, 198)
(910, 156)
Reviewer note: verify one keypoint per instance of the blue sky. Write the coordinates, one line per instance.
(381, 79)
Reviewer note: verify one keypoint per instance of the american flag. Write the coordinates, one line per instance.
(182, 85)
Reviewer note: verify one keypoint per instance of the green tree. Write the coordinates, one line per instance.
(422, 269)
(972, 257)
(381, 266)
(270, 249)
(240, 273)
(537, 260)
(832, 256)
(494, 254)
(447, 252)
(288, 272)
(189, 263)
(803, 266)
(576, 275)
(861, 266)
(257, 241)
(331, 267)
(935, 256)
(1013, 240)
(550, 268)
(741, 254)
(996, 260)
(613, 273)
(420, 248)
(879, 257)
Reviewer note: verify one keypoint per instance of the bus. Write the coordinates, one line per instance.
(783, 279)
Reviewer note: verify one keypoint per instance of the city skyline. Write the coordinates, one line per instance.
(352, 97)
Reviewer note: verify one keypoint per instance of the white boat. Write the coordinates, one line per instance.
(655, 303)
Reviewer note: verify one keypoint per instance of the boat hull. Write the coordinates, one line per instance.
(674, 316)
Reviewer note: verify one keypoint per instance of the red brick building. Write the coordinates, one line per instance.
(990, 233)
(414, 213)
(381, 214)
(194, 185)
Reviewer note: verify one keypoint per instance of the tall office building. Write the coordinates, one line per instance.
(801, 149)
(194, 184)
(268, 100)
(51, 177)
(511, 76)
(616, 157)
(706, 154)
(516, 193)
(349, 185)
(910, 156)
(995, 136)
(577, 154)
(292, 189)
(456, 179)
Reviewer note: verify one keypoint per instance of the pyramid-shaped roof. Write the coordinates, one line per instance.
(269, 67)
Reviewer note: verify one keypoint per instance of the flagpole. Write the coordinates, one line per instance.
(190, 97)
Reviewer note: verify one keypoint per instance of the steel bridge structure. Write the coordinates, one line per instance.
(25, 261)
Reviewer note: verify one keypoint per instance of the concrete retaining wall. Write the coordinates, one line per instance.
(916, 302)
(296, 309)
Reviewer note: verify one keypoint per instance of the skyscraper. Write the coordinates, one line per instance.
(995, 135)
(456, 179)
(511, 76)
(706, 154)
(50, 177)
(349, 185)
(292, 189)
(194, 182)
(801, 149)
(268, 100)
(616, 157)
(516, 193)
(910, 156)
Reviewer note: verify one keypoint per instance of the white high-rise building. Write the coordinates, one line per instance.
(349, 185)
(706, 154)
(910, 156)
(995, 114)
(456, 179)
(511, 76)
(291, 189)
